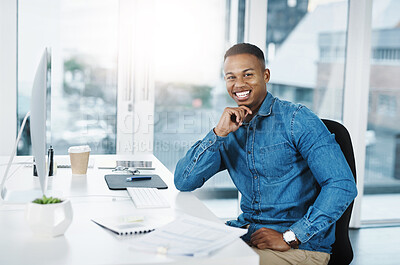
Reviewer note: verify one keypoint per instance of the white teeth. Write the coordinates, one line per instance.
(242, 94)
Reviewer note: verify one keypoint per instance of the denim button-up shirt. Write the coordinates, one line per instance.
(288, 167)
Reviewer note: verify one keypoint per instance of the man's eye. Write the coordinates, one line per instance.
(248, 74)
(230, 78)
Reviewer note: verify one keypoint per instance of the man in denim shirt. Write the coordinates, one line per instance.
(293, 177)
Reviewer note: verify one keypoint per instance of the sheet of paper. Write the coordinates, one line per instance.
(188, 236)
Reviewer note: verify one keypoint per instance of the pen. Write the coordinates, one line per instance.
(138, 178)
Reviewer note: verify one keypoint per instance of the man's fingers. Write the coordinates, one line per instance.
(254, 241)
(262, 246)
(242, 114)
(258, 236)
(259, 243)
(248, 110)
(239, 115)
(234, 116)
(259, 232)
(231, 115)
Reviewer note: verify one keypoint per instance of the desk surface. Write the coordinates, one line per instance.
(86, 243)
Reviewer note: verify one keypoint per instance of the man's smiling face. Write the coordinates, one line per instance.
(246, 80)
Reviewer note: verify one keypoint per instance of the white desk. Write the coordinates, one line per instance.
(85, 242)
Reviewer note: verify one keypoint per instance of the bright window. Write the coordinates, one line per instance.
(306, 43)
(83, 38)
(382, 162)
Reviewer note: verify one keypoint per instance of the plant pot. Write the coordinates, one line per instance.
(49, 219)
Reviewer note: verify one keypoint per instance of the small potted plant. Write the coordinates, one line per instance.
(49, 216)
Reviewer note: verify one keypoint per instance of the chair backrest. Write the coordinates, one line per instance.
(342, 252)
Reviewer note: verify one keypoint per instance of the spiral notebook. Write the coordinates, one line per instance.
(130, 224)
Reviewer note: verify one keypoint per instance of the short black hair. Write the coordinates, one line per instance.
(241, 48)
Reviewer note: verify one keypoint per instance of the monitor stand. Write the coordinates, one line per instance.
(21, 196)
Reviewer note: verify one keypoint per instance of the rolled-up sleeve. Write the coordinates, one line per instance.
(329, 166)
(200, 163)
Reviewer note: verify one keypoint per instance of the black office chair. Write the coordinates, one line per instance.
(342, 252)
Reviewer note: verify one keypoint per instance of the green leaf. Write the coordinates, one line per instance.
(47, 200)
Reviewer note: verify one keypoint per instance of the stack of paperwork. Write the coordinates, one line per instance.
(188, 236)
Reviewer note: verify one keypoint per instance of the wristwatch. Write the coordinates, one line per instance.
(290, 239)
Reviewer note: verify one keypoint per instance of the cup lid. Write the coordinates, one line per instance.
(79, 149)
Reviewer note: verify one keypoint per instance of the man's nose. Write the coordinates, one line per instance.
(239, 82)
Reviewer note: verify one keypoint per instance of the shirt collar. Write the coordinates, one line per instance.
(266, 106)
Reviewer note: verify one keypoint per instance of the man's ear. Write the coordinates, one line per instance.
(266, 75)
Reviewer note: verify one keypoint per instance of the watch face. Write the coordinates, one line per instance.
(289, 236)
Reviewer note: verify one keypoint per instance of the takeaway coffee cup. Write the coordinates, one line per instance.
(79, 156)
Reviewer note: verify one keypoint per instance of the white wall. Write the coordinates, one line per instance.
(8, 75)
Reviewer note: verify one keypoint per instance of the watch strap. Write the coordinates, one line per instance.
(294, 244)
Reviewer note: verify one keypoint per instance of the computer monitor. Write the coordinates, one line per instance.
(40, 133)
(40, 117)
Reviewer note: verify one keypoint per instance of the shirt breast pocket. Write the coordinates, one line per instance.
(277, 160)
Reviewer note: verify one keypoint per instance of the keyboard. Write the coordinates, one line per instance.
(147, 197)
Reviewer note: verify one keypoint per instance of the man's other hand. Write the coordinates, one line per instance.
(268, 238)
(231, 119)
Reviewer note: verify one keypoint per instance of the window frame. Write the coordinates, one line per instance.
(136, 85)
(356, 86)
